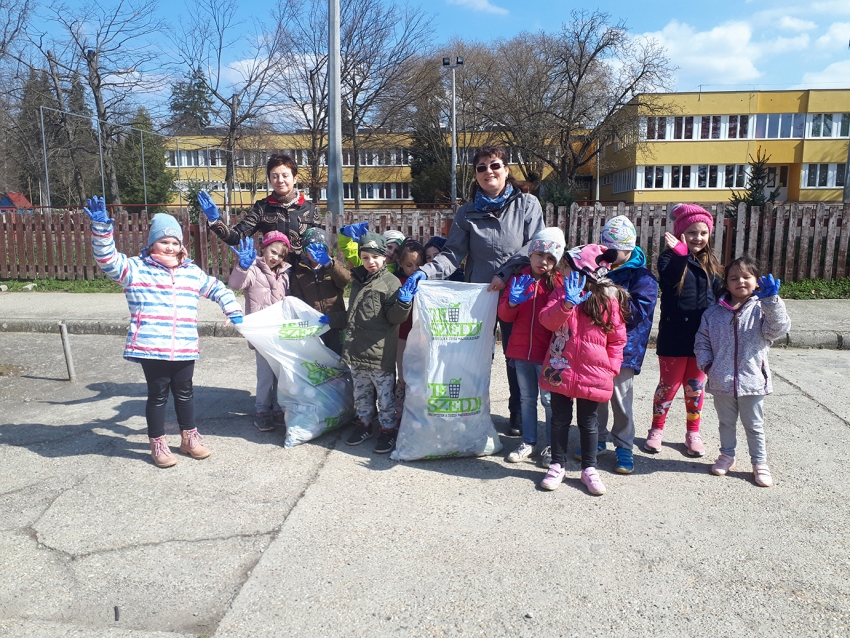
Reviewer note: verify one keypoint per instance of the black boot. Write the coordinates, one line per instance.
(515, 428)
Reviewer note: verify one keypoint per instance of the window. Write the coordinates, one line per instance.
(735, 176)
(840, 174)
(707, 176)
(653, 177)
(780, 125)
(710, 127)
(845, 125)
(680, 177)
(656, 128)
(625, 180)
(824, 175)
(738, 126)
(830, 125)
(683, 128)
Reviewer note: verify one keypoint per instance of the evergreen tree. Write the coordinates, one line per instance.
(191, 105)
(128, 166)
(754, 194)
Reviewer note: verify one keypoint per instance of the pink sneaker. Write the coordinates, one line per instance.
(693, 444)
(653, 440)
(761, 473)
(592, 481)
(723, 465)
(553, 477)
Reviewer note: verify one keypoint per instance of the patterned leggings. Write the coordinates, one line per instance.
(675, 372)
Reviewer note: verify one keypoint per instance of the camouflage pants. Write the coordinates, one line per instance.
(371, 386)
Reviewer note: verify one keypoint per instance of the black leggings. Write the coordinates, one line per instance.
(162, 375)
(562, 414)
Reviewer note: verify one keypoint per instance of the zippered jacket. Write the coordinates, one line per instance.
(322, 288)
(163, 301)
(732, 345)
(582, 359)
(529, 338)
(642, 287)
(492, 243)
(681, 311)
(262, 287)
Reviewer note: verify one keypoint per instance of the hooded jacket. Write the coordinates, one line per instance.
(262, 286)
(370, 339)
(163, 302)
(321, 288)
(681, 312)
(642, 286)
(731, 346)
(582, 359)
(492, 243)
(529, 338)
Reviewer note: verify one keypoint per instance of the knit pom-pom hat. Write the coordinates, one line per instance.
(683, 215)
(549, 240)
(273, 236)
(592, 260)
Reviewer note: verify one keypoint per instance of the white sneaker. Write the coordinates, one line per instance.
(521, 453)
(546, 457)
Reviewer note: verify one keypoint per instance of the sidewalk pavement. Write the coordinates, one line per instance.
(814, 324)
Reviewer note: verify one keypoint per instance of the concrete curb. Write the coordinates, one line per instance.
(822, 339)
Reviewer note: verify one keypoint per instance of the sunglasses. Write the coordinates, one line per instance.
(482, 168)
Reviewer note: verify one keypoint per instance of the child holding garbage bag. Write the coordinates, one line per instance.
(585, 354)
(265, 281)
(377, 305)
(320, 280)
(162, 287)
(526, 295)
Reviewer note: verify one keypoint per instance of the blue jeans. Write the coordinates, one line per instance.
(527, 374)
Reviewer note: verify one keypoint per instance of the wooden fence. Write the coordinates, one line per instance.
(793, 241)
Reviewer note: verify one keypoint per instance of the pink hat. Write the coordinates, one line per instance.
(683, 215)
(272, 237)
(592, 260)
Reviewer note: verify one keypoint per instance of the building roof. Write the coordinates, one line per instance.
(18, 200)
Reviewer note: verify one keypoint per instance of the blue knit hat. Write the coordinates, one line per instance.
(164, 225)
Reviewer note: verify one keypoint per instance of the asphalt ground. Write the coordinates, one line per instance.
(329, 540)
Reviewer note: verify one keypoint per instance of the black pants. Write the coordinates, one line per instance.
(513, 384)
(162, 375)
(562, 414)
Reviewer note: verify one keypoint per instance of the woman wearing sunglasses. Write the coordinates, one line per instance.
(491, 232)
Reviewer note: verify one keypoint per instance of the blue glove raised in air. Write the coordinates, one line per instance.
(768, 287)
(415, 278)
(318, 253)
(246, 253)
(355, 231)
(521, 289)
(408, 290)
(324, 320)
(96, 209)
(236, 318)
(208, 206)
(573, 287)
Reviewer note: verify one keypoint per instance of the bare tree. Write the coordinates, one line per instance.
(378, 42)
(14, 15)
(561, 95)
(245, 89)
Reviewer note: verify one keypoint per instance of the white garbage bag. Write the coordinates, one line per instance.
(447, 365)
(313, 388)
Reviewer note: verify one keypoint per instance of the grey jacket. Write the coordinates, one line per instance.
(493, 244)
(731, 345)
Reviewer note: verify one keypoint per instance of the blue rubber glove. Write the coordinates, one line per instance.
(236, 319)
(521, 291)
(768, 287)
(408, 290)
(208, 206)
(573, 287)
(415, 278)
(318, 253)
(96, 210)
(324, 319)
(355, 231)
(246, 253)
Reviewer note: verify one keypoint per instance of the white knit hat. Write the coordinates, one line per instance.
(619, 233)
(394, 236)
(549, 240)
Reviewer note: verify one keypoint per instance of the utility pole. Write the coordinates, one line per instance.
(447, 63)
(334, 200)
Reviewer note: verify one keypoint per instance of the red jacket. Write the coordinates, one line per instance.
(582, 360)
(529, 338)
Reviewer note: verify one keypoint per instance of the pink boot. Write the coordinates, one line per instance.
(161, 455)
(192, 444)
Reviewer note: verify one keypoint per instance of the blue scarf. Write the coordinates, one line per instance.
(484, 204)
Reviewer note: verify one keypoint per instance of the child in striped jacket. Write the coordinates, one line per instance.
(162, 288)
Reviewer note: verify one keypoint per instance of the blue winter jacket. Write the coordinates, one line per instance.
(641, 284)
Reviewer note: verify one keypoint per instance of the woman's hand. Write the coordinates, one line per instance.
(496, 285)
(208, 206)
(521, 290)
(246, 253)
(573, 287)
(678, 246)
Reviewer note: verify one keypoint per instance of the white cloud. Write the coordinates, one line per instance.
(836, 75)
(836, 37)
(796, 24)
(784, 45)
(480, 5)
(832, 7)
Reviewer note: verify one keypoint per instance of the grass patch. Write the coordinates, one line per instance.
(816, 289)
(64, 285)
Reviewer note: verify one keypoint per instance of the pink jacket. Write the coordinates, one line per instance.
(582, 360)
(529, 339)
(262, 287)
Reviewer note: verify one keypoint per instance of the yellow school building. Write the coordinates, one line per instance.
(697, 147)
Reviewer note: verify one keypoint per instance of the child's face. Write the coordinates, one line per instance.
(541, 263)
(371, 262)
(274, 253)
(740, 283)
(166, 246)
(623, 257)
(410, 263)
(564, 268)
(696, 236)
(430, 253)
(392, 251)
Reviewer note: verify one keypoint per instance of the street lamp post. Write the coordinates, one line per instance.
(447, 63)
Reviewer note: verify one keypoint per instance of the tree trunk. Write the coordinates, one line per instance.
(230, 145)
(106, 130)
(72, 150)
